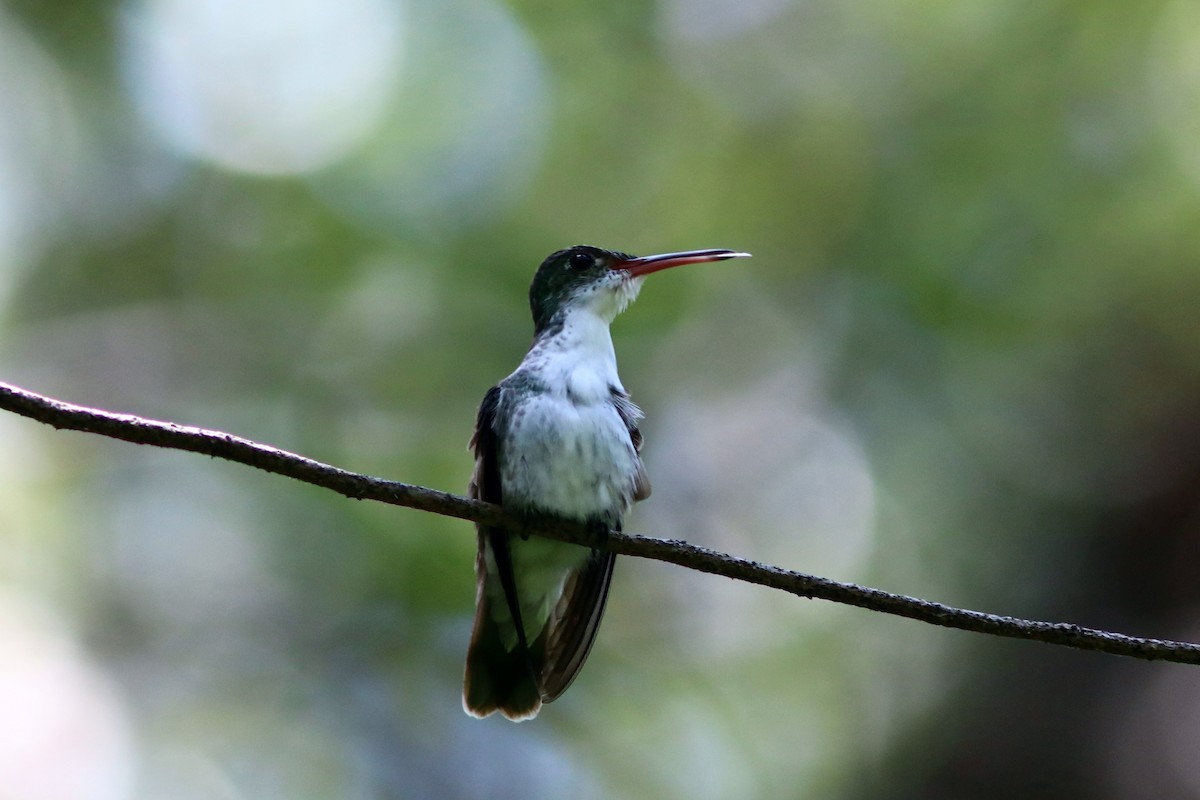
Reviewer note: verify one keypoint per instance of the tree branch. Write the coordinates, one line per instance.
(362, 487)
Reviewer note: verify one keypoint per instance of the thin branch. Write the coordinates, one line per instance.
(362, 487)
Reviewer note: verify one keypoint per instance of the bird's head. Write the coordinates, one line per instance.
(601, 281)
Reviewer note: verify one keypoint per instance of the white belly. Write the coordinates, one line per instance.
(571, 459)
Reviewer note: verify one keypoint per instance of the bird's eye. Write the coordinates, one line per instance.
(581, 261)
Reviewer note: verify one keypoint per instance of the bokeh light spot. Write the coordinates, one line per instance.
(274, 87)
(64, 734)
(465, 135)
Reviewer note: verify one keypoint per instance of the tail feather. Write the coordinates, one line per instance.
(498, 679)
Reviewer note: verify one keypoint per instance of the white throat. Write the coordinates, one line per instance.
(578, 360)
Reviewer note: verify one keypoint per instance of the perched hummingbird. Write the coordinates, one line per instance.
(558, 437)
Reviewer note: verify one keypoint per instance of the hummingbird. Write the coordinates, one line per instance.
(558, 437)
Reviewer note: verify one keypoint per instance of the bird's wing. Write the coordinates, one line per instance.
(498, 676)
(485, 482)
(631, 415)
(485, 485)
(569, 635)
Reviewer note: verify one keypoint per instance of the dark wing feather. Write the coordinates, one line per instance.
(485, 483)
(496, 678)
(631, 415)
(576, 618)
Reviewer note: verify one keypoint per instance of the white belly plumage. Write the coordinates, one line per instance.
(568, 459)
(571, 459)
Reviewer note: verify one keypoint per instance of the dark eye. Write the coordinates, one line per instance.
(581, 261)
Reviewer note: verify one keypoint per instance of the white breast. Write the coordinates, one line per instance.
(567, 450)
(575, 460)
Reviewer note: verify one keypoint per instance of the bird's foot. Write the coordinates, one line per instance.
(530, 518)
(599, 530)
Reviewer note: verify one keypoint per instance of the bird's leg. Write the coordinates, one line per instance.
(531, 518)
(598, 529)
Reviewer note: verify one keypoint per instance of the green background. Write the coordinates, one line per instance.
(963, 364)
